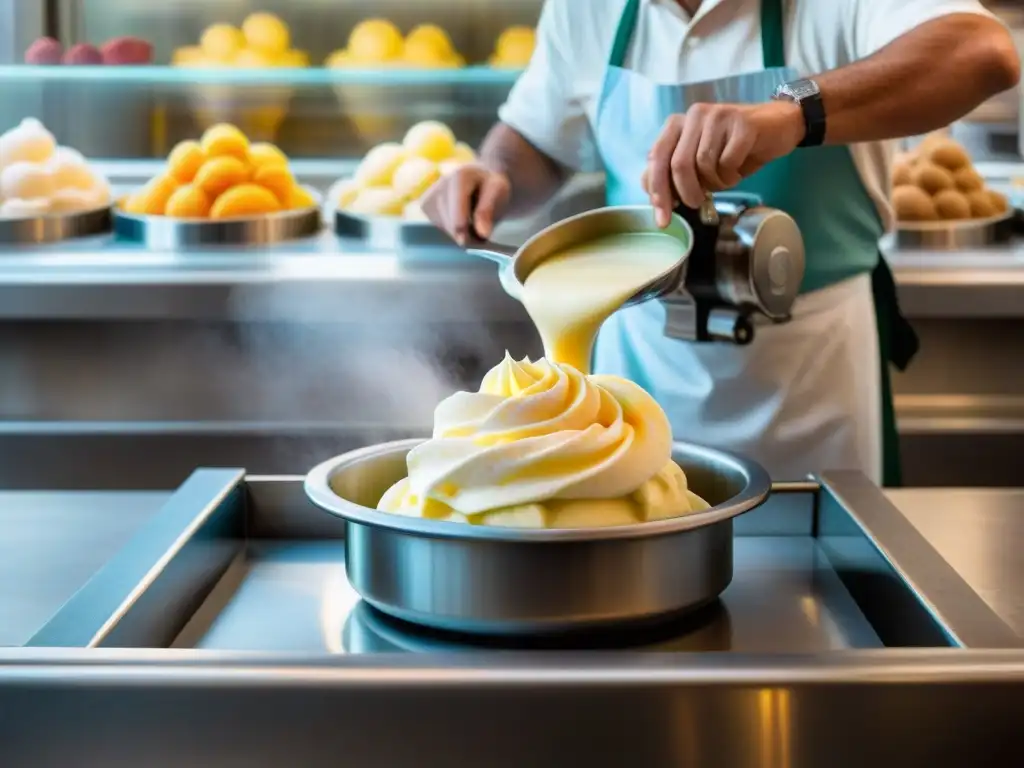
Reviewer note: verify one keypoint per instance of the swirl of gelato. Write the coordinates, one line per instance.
(543, 445)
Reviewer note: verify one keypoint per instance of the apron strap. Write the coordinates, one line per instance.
(773, 46)
(624, 33)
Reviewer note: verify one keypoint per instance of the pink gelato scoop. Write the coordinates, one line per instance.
(127, 50)
(44, 51)
(83, 54)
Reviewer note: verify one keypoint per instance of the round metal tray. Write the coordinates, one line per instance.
(955, 235)
(509, 581)
(38, 230)
(389, 231)
(167, 233)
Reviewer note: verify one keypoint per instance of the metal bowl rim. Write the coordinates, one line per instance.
(593, 213)
(962, 225)
(64, 216)
(319, 491)
(194, 223)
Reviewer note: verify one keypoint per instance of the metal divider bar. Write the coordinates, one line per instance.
(888, 565)
(147, 591)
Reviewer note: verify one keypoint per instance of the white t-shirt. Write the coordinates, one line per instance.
(554, 102)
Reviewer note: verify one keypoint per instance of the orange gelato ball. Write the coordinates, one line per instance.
(245, 200)
(276, 178)
(152, 199)
(189, 202)
(261, 153)
(300, 198)
(225, 140)
(185, 160)
(219, 174)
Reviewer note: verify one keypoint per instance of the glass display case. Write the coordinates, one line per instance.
(311, 104)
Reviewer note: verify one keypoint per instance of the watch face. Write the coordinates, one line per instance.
(802, 89)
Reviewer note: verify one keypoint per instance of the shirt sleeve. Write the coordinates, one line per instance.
(544, 104)
(876, 23)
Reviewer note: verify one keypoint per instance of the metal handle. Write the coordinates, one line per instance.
(500, 254)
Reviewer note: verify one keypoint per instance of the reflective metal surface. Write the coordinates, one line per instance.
(281, 664)
(165, 232)
(978, 531)
(293, 596)
(584, 227)
(485, 579)
(955, 236)
(52, 543)
(53, 229)
(389, 232)
(140, 594)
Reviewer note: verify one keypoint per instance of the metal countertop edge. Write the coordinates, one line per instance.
(92, 613)
(133, 668)
(937, 585)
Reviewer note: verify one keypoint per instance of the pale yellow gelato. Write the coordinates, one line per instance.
(541, 445)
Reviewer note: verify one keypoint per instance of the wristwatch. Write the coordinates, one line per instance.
(807, 95)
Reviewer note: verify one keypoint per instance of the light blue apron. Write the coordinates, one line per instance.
(819, 187)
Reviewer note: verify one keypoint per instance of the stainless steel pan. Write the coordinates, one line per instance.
(517, 263)
(509, 581)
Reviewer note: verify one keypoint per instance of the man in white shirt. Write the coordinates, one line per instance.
(804, 96)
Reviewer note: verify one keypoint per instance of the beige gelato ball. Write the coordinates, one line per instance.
(999, 201)
(967, 179)
(948, 154)
(981, 204)
(913, 204)
(414, 177)
(931, 178)
(901, 173)
(952, 205)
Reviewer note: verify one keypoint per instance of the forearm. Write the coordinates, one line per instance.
(924, 80)
(533, 176)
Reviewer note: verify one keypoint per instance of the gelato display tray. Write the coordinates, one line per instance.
(225, 632)
(955, 235)
(167, 233)
(388, 232)
(235, 564)
(54, 228)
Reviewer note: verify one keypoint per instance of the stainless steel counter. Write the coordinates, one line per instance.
(52, 543)
(325, 279)
(979, 532)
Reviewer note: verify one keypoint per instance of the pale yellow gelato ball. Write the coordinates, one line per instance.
(430, 139)
(414, 177)
(378, 167)
(414, 212)
(267, 33)
(28, 142)
(378, 201)
(449, 166)
(343, 193)
(463, 153)
(25, 209)
(222, 41)
(26, 181)
(72, 200)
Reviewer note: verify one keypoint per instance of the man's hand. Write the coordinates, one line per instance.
(467, 201)
(713, 146)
